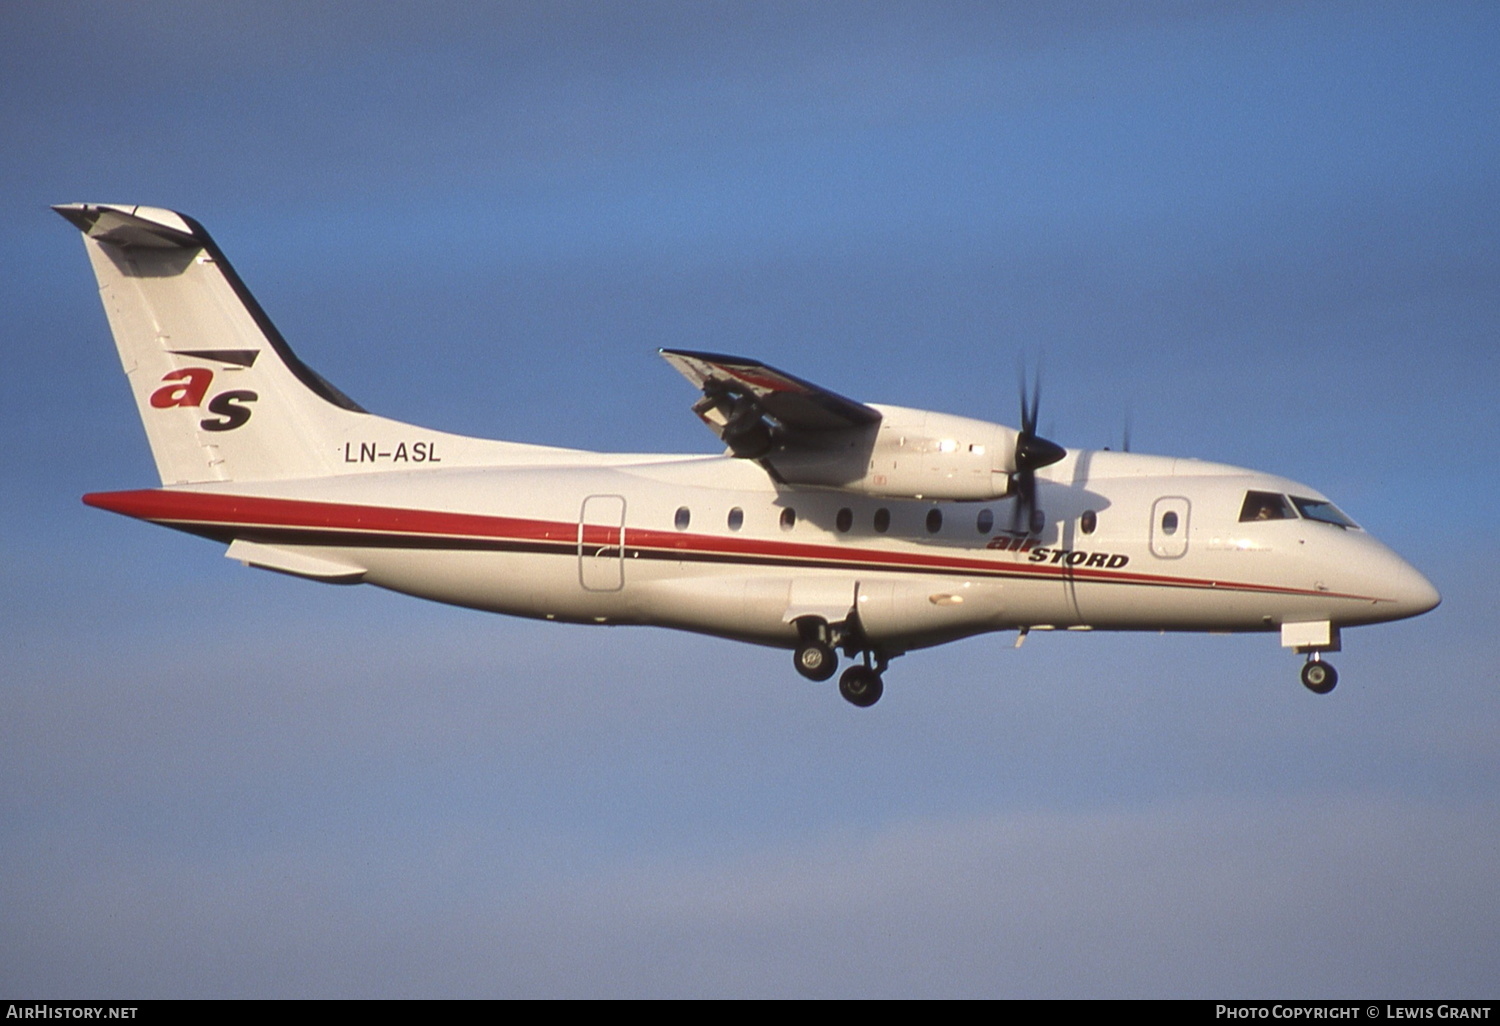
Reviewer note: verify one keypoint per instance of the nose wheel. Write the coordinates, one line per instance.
(1319, 677)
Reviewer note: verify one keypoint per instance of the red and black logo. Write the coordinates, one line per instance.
(189, 386)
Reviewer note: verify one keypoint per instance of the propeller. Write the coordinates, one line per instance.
(1032, 453)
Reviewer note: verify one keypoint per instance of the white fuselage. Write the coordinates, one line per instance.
(590, 538)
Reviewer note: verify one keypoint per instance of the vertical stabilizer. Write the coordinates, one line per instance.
(221, 395)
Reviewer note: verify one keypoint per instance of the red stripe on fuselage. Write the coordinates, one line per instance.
(207, 508)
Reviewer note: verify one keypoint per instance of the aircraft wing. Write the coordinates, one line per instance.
(744, 401)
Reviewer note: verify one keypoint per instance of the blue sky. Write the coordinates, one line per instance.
(1265, 233)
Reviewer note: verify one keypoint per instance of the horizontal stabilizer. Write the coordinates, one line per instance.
(291, 561)
(129, 226)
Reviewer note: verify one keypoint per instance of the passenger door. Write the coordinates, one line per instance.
(601, 543)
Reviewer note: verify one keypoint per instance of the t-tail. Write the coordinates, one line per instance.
(221, 394)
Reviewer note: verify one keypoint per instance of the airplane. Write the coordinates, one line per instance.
(826, 525)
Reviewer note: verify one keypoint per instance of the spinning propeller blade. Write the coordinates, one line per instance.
(1032, 453)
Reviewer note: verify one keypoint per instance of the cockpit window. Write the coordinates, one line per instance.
(1266, 506)
(1323, 510)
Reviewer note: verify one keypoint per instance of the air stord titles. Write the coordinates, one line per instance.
(1061, 557)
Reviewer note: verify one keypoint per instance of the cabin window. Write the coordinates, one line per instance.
(1265, 506)
(934, 520)
(1088, 522)
(683, 518)
(845, 519)
(736, 519)
(1323, 511)
(882, 520)
(788, 518)
(985, 521)
(1169, 522)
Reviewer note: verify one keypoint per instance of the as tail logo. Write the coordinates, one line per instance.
(189, 386)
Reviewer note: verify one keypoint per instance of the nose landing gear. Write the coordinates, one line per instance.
(1319, 677)
(1312, 638)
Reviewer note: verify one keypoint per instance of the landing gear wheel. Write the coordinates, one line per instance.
(815, 660)
(862, 686)
(1319, 677)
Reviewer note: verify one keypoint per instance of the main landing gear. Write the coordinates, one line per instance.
(816, 658)
(861, 685)
(1317, 676)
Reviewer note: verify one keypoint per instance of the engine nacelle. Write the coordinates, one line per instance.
(909, 454)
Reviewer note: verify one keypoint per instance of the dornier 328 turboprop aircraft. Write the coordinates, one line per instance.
(829, 525)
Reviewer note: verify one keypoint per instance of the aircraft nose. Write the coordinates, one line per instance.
(1412, 593)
